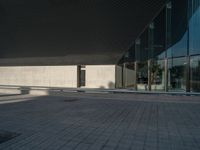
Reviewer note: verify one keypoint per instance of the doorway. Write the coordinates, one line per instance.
(81, 76)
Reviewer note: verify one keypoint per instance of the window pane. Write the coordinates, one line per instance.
(159, 36)
(177, 74)
(142, 47)
(129, 75)
(142, 76)
(195, 73)
(179, 34)
(194, 27)
(157, 75)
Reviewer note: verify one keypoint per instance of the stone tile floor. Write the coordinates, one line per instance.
(80, 121)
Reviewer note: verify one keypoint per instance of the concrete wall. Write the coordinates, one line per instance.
(100, 76)
(97, 76)
(119, 77)
(49, 76)
(129, 78)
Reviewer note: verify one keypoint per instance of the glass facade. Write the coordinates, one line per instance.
(166, 56)
(158, 75)
(195, 73)
(194, 27)
(177, 74)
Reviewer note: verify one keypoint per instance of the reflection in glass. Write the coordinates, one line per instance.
(144, 47)
(178, 34)
(180, 48)
(142, 76)
(177, 74)
(157, 75)
(158, 36)
(173, 37)
(194, 27)
(195, 73)
(129, 75)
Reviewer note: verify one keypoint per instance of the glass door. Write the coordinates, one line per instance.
(195, 73)
(177, 74)
(142, 76)
(157, 75)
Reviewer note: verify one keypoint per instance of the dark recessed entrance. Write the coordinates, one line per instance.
(81, 76)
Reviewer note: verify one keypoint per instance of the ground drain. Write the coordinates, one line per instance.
(6, 136)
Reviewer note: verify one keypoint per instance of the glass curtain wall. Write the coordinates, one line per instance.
(142, 49)
(157, 51)
(128, 72)
(177, 74)
(178, 48)
(194, 44)
(167, 53)
(150, 55)
(195, 73)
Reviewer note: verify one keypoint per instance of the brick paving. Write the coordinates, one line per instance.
(79, 121)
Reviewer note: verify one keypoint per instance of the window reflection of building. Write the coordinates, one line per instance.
(195, 73)
(194, 44)
(142, 75)
(167, 52)
(177, 74)
(157, 75)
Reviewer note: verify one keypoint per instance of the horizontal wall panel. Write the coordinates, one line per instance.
(100, 76)
(46, 76)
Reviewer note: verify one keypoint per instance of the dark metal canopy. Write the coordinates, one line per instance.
(69, 32)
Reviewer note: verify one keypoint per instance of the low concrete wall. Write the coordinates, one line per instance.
(100, 76)
(10, 90)
(46, 76)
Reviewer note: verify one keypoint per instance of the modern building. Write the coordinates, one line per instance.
(139, 44)
(166, 54)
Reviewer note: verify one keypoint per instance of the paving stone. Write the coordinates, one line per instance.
(101, 122)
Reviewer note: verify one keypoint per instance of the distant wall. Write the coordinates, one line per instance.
(49, 76)
(97, 76)
(100, 76)
(125, 78)
(119, 77)
(129, 78)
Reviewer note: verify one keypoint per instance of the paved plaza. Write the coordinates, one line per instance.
(99, 121)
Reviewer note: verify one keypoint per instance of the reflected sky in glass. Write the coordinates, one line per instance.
(194, 28)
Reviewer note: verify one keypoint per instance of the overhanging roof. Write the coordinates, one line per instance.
(66, 32)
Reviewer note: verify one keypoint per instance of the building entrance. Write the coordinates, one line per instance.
(81, 76)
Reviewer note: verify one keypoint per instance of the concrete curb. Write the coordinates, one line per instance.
(47, 91)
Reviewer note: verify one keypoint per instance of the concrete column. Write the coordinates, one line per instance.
(166, 75)
(149, 75)
(188, 74)
(124, 75)
(136, 70)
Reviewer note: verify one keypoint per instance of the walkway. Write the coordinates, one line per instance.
(81, 121)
